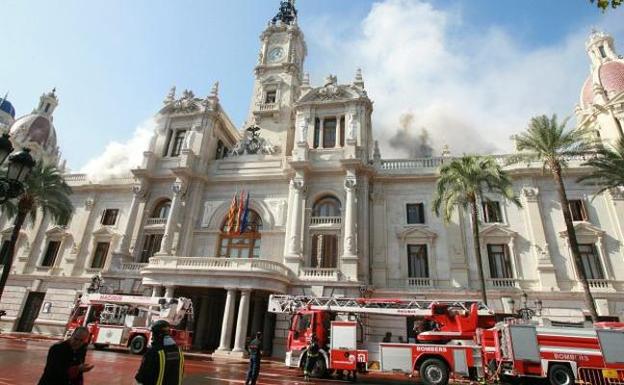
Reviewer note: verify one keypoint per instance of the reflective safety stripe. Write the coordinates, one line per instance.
(161, 369)
(181, 370)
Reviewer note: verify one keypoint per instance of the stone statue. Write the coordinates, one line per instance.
(188, 140)
(303, 129)
(353, 124)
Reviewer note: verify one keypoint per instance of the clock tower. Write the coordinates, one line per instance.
(278, 76)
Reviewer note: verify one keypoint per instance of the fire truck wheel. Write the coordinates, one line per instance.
(560, 375)
(434, 372)
(138, 344)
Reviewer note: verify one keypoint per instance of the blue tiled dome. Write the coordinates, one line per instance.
(7, 107)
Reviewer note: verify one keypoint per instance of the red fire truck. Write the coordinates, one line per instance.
(125, 320)
(466, 342)
(455, 320)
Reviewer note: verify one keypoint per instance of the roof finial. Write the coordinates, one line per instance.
(215, 90)
(170, 96)
(359, 80)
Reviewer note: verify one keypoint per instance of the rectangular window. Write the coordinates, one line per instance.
(151, 245)
(329, 133)
(591, 262)
(492, 212)
(167, 143)
(109, 217)
(4, 252)
(50, 254)
(342, 130)
(500, 263)
(417, 263)
(603, 53)
(317, 132)
(415, 213)
(99, 256)
(324, 251)
(177, 142)
(577, 210)
(271, 97)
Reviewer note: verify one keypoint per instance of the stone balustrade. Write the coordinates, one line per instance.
(502, 283)
(156, 221)
(230, 264)
(419, 282)
(599, 283)
(319, 274)
(325, 221)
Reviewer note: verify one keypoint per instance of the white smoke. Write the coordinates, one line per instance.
(471, 87)
(119, 158)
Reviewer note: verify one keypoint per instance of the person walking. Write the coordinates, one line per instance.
(163, 362)
(311, 357)
(66, 360)
(255, 352)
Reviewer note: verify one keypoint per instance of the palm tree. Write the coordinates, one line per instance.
(45, 190)
(608, 167)
(547, 141)
(462, 182)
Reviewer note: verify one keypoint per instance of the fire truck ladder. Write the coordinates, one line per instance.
(405, 307)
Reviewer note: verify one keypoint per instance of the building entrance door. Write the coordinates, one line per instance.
(31, 311)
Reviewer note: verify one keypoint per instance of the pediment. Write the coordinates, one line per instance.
(332, 93)
(56, 230)
(584, 229)
(9, 230)
(105, 231)
(415, 232)
(497, 230)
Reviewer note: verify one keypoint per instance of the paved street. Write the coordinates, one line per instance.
(22, 361)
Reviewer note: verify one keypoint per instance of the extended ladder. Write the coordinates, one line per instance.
(403, 307)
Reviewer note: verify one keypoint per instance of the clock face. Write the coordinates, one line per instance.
(276, 54)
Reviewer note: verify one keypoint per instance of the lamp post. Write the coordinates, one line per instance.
(12, 186)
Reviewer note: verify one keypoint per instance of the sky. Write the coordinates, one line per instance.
(470, 72)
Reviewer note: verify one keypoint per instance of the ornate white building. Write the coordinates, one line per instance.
(329, 215)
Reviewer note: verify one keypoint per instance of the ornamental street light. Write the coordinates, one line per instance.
(20, 165)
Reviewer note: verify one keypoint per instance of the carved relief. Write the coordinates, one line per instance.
(89, 203)
(278, 207)
(304, 121)
(530, 193)
(350, 184)
(209, 208)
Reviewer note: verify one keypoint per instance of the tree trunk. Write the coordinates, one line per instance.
(576, 254)
(17, 226)
(477, 247)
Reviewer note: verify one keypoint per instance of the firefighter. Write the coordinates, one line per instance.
(312, 356)
(163, 363)
(255, 352)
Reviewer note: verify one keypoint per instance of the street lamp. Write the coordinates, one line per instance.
(19, 167)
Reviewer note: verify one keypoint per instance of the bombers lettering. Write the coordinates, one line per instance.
(570, 357)
(431, 349)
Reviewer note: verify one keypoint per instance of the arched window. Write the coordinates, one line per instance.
(162, 209)
(327, 206)
(237, 242)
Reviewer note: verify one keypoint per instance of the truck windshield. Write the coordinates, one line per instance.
(304, 322)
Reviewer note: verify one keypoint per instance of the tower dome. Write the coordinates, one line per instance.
(7, 107)
(607, 71)
(36, 130)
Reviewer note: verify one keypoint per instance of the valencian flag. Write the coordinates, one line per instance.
(239, 214)
(245, 221)
(231, 217)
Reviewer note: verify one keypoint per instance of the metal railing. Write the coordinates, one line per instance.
(319, 274)
(502, 283)
(314, 221)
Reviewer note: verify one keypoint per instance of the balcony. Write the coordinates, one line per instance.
(319, 274)
(249, 273)
(418, 282)
(156, 221)
(132, 267)
(267, 108)
(503, 283)
(599, 283)
(325, 221)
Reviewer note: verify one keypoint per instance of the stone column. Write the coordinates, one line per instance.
(167, 239)
(297, 186)
(545, 266)
(241, 323)
(228, 320)
(156, 291)
(616, 206)
(349, 254)
(124, 245)
(169, 291)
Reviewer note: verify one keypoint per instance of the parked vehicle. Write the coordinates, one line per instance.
(125, 320)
